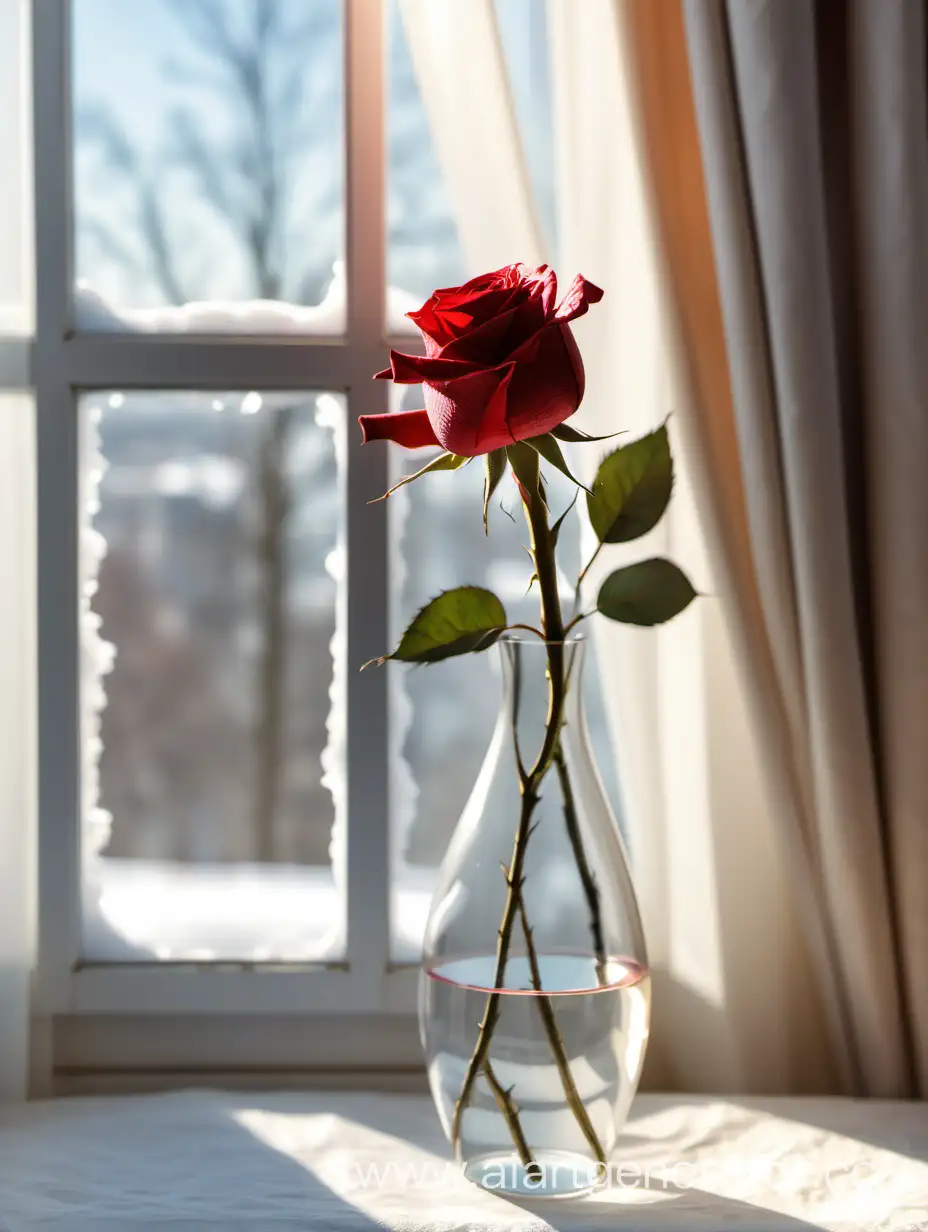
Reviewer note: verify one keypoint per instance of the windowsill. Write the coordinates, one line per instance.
(359, 1161)
(155, 911)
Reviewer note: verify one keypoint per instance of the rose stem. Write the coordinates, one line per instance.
(510, 1111)
(513, 879)
(590, 888)
(552, 624)
(556, 1040)
(543, 549)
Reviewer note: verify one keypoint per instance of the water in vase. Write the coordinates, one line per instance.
(580, 1040)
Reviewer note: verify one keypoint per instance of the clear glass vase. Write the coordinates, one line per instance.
(534, 1000)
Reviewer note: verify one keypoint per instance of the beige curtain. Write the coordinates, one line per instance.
(797, 261)
(748, 182)
(736, 1006)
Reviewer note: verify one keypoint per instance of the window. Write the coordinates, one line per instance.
(237, 202)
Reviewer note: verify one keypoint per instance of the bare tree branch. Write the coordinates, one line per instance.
(108, 242)
(205, 22)
(119, 152)
(206, 165)
(151, 217)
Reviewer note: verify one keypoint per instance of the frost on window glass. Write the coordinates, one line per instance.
(211, 571)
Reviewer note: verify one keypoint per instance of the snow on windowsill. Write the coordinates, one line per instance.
(158, 911)
(263, 318)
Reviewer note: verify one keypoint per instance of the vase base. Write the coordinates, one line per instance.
(554, 1174)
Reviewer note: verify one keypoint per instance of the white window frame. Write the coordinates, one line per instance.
(114, 1016)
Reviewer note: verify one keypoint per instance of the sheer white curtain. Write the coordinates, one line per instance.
(730, 966)
(459, 64)
(17, 559)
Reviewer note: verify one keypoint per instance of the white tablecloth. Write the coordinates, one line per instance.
(203, 1160)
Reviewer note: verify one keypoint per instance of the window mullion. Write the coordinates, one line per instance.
(367, 766)
(124, 362)
(57, 503)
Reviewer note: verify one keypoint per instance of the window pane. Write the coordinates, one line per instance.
(208, 163)
(443, 715)
(209, 811)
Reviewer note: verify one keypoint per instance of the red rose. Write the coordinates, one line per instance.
(500, 365)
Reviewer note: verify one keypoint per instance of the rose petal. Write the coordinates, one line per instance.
(528, 349)
(494, 430)
(479, 281)
(414, 369)
(578, 299)
(549, 292)
(450, 296)
(449, 322)
(430, 327)
(547, 388)
(453, 313)
(469, 415)
(486, 344)
(411, 429)
(573, 353)
(529, 319)
(503, 338)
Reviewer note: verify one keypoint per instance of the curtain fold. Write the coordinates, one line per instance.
(811, 122)
(889, 106)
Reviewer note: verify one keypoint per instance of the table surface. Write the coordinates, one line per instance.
(202, 1159)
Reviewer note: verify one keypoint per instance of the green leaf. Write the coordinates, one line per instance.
(550, 450)
(564, 432)
(647, 593)
(444, 462)
(495, 469)
(632, 488)
(457, 622)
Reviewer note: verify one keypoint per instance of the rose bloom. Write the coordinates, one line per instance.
(501, 363)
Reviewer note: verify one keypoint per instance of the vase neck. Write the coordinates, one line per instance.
(526, 666)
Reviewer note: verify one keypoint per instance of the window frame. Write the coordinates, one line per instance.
(64, 365)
